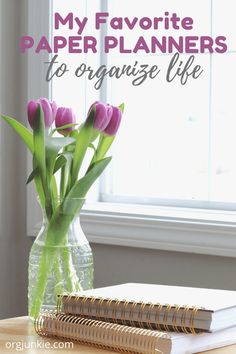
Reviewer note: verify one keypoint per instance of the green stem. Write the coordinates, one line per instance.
(62, 182)
(54, 193)
(72, 281)
(103, 146)
(56, 236)
(45, 266)
(58, 275)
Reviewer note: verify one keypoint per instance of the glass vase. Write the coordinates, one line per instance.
(59, 262)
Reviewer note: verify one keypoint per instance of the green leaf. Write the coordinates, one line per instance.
(66, 172)
(39, 160)
(54, 194)
(69, 157)
(53, 146)
(95, 135)
(57, 144)
(33, 174)
(58, 226)
(122, 107)
(81, 187)
(22, 131)
(104, 145)
(74, 134)
(64, 127)
(60, 162)
(40, 190)
(38, 185)
(84, 138)
(92, 147)
(28, 139)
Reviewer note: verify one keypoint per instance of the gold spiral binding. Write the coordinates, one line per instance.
(131, 314)
(157, 316)
(122, 312)
(142, 306)
(192, 318)
(167, 310)
(83, 303)
(114, 310)
(98, 308)
(74, 304)
(90, 308)
(108, 308)
(112, 304)
(184, 328)
(174, 318)
(100, 334)
(93, 299)
(67, 302)
(148, 316)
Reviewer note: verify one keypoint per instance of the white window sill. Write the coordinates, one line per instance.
(210, 232)
(164, 228)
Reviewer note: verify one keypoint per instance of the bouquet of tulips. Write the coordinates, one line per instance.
(64, 154)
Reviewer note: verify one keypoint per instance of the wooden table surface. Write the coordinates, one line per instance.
(19, 331)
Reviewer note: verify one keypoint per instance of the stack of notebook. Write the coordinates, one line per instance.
(141, 318)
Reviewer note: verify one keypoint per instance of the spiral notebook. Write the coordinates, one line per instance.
(127, 339)
(161, 307)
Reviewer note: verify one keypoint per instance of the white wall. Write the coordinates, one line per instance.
(13, 243)
(115, 265)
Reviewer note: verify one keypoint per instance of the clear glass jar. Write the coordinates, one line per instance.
(62, 265)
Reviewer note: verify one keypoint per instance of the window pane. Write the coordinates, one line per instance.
(175, 137)
(162, 147)
(198, 10)
(69, 90)
(176, 142)
(224, 21)
(224, 128)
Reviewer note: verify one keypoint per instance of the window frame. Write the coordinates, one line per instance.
(160, 227)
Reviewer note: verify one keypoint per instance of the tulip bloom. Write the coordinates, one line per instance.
(102, 115)
(115, 121)
(49, 111)
(65, 116)
(54, 109)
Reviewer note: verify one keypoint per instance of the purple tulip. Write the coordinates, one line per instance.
(65, 116)
(115, 121)
(102, 116)
(48, 108)
(54, 109)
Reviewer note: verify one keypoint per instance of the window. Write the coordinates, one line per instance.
(177, 143)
